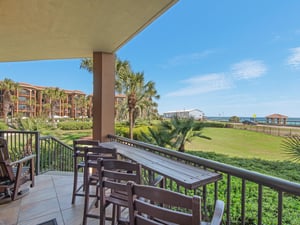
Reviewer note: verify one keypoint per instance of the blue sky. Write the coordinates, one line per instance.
(223, 57)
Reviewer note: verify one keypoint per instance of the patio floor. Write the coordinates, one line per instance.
(50, 198)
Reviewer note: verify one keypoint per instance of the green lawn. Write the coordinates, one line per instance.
(239, 143)
(227, 141)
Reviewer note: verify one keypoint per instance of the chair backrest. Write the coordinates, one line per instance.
(113, 176)
(115, 173)
(79, 146)
(95, 152)
(86, 142)
(150, 205)
(218, 213)
(91, 154)
(6, 171)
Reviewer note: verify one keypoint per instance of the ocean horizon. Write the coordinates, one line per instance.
(292, 121)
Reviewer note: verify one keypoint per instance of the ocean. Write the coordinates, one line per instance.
(291, 121)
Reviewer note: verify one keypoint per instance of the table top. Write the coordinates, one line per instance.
(186, 175)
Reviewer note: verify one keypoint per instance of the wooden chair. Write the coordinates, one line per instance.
(91, 177)
(218, 214)
(114, 175)
(150, 205)
(78, 163)
(14, 174)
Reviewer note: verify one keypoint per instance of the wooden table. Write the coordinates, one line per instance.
(186, 175)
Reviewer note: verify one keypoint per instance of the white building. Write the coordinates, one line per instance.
(195, 113)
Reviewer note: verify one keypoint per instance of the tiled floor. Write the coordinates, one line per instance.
(50, 198)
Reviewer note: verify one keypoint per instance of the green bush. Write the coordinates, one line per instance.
(75, 125)
(234, 119)
(32, 124)
(121, 130)
(137, 132)
(213, 124)
(283, 169)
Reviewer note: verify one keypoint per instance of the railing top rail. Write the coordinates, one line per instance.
(57, 140)
(266, 180)
(18, 132)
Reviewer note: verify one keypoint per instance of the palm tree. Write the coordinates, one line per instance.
(87, 64)
(137, 91)
(182, 130)
(82, 103)
(55, 97)
(7, 86)
(291, 146)
(122, 70)
(157, 136)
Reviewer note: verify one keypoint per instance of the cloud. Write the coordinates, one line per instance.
(294, 59)
(187, 58)
(202, 84)
(248, 69)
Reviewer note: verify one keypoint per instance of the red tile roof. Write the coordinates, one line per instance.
(276, 116)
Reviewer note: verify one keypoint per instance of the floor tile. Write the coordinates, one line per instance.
(49, 198)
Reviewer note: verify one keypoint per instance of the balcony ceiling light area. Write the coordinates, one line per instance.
(58, 29)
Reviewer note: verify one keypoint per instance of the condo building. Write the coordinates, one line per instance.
(30, 101)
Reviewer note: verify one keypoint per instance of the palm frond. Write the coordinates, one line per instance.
(291, 146)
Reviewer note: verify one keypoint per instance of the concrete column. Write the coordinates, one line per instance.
(103, 95)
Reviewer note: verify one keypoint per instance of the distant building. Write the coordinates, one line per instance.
(194, 113)
(30, 102)
(277, 119)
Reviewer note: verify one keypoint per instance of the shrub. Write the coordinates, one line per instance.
(121, 130)
(75, 125)
(213, 124)
(234, 119)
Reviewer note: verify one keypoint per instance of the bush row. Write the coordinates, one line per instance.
(75, 125)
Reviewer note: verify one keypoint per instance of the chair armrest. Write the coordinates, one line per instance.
(25, 159)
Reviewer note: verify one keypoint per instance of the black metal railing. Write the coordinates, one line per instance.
(55, 155)
(51, 153)
(250, 197)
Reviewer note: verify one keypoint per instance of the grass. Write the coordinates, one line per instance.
(68, 136)
(239, 143)
(227, 141)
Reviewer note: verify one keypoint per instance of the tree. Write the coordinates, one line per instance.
(234, 119)
(87, 64)
(157, 136)
(291, 145)
(7, 86)
(54, 97)
(139, 94)
(174, 133)
(183, 130)
(82, 103)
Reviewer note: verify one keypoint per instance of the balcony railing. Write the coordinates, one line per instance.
(51, 153)
(250, 197)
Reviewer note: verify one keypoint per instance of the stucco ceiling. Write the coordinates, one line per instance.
(59, 29)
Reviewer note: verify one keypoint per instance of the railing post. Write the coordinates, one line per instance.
(38, 153)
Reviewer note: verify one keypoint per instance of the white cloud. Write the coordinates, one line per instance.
(187, 58)
(294, 59)
(203, 84)
(248, 69)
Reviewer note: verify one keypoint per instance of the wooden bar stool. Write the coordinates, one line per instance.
(78, 163)
(91, 177)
